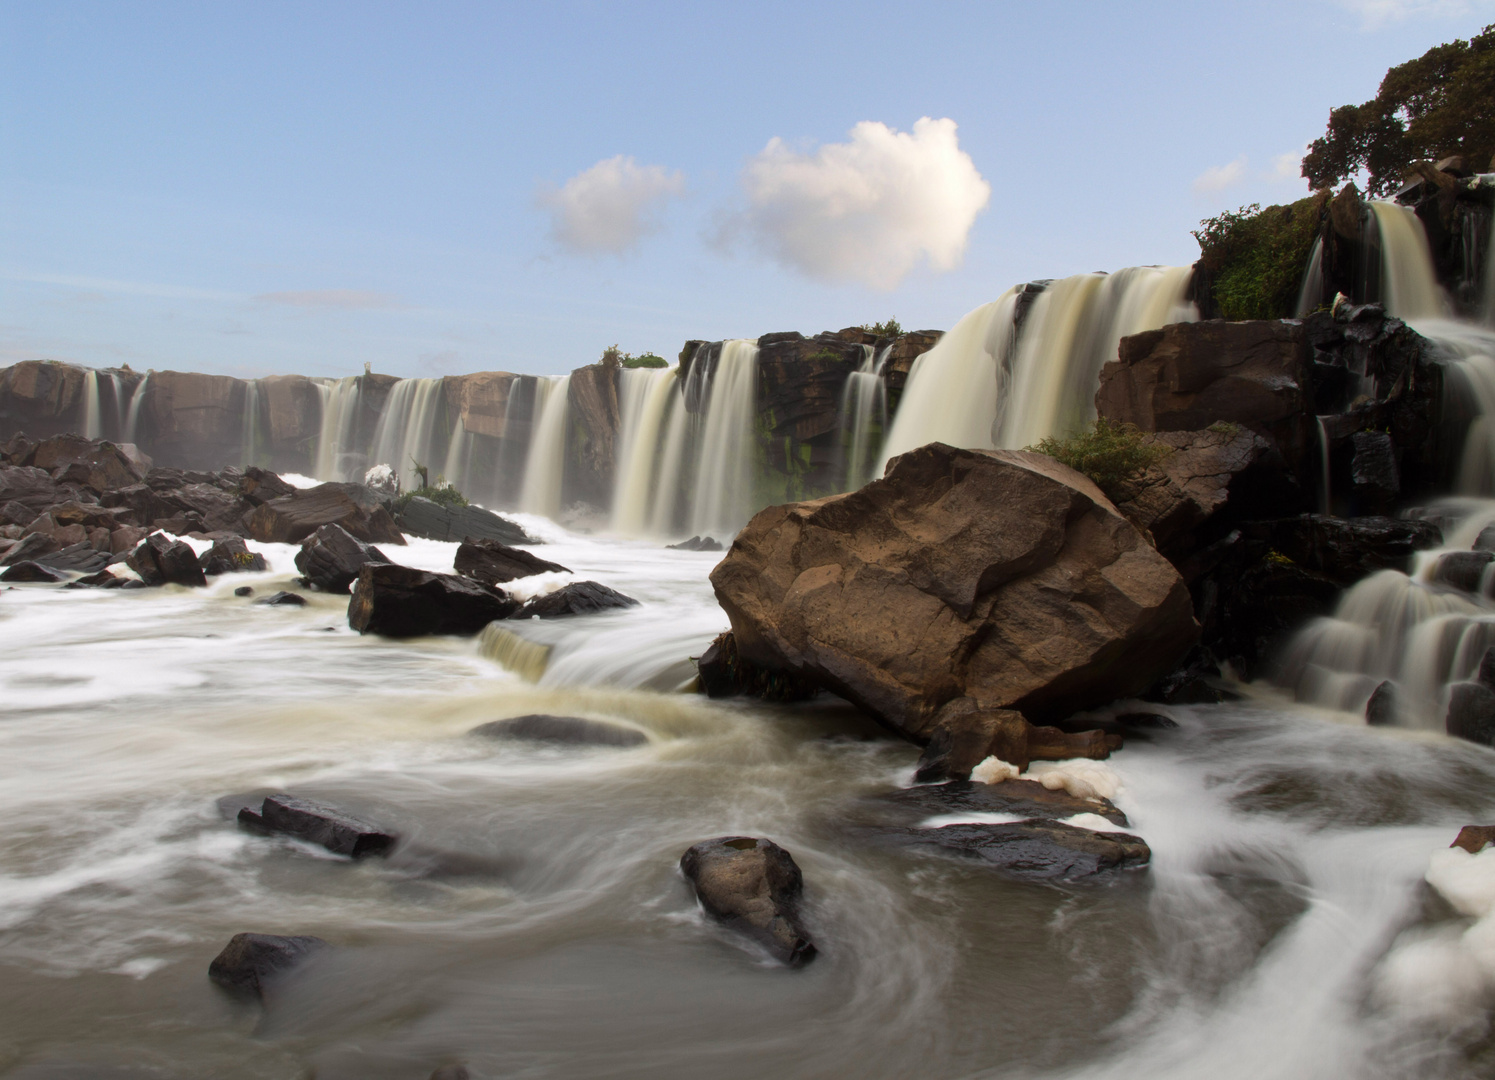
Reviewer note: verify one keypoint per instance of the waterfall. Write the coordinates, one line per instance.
(118, 387)
(663, 514)
(1324, 487)
(544, 470)
(249, 427)
(458, 457)
(340, 402)
(1490, 275)
(402, 436)
(863, 415)
(644, 400)
(132, 419)
(1409, 287)
(1311, 292)
(723, 499)
(987, 383)
(92, 427)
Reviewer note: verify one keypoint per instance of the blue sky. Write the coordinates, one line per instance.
(441, 188)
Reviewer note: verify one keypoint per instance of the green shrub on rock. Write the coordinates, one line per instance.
(1108, 453)
(1253, 259)
(644, 360)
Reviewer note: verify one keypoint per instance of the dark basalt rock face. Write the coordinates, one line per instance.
(754, 886)
(578, 598)
(1462, 569)
(725, 673)
(160, 561)
(331, 557)
(400, 601)
(493, 563)
(231, 556)
(317, 823)
(250, 964)
(1033, 849)
(1471, 705)
(292, 518)
(567, 730)
(422, 517)
(697, 543)
(31, 572)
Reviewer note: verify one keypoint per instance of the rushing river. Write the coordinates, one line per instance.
(536, 923)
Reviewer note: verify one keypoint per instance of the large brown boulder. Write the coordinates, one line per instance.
(998, 575)
(401, 601)
(292, 518)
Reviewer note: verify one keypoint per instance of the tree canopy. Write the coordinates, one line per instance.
(1441, 104)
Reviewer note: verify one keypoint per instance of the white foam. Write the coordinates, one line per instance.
(1093, 822)
(1081, 777)
(527, 588)
(296, 480)
(994, 770)
(975, 817)
(1466, 881)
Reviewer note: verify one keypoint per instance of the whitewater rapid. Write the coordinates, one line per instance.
(537, 924)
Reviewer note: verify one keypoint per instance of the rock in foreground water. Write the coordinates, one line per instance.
(31, 572)
(250, 963)
(493, 562)
(400, 601)
(317, 823)
(422, 517)
(1033, 849)
(568, 730)
(331, 557)
(290, 519)
(230, 556)
(578, 598)
(161, 561)
(998, 575)
(754, 886)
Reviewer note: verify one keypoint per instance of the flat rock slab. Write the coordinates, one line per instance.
(578, 598)
(1032, 849)
(1026, 798)
(32, 572)
(317, 823)
(753, 886)
(422, 517)
(400, 601)
(282, 599)
(567, 730)
(82, 557)
(290, 519)
(493, 562)
(250, 963)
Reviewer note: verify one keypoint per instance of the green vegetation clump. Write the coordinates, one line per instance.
(1108, 453)
(1255, 258)
(1433, 107)
(891, 328)
(439, 493)
(644, 360)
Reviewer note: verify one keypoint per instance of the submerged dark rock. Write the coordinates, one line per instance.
(494, 563)
(283, 599)
(243, 590)
(754, 886)
(251, 963)
(1380, 710)
(317, 823)
(331, 557)
(578, 598)
(1032, 849)
(570, 730)
(400, 601)
(697, 543)
(1471, 713)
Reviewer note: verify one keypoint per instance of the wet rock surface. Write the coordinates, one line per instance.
(563, 730)
(251, 964)
(996, 575)
(400, 601)
(290, 519)
(231, 556)
(1031, 849)
(578, 598)
(282, 599)
(31, 572)
(422, 517)
(965, 734)
(753, 886)
(162, 561)
(1026, 798)
(697, 543)
(493, 562)
(318, 823)
(331, 557)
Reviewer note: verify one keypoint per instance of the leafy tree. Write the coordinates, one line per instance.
(645, 360)
(1441, 104)
(1255, 257)
(883, 329)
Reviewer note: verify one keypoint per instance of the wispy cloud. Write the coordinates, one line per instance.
(112, 285)
(1375, 14)
(333, 299)
(1220, 177)
(869, 209)
(610, 207)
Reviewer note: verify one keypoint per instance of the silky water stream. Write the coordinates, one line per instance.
(536, 924)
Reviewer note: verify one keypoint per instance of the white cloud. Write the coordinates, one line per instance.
(611, 206)
(869, 209)
(1375, 14)
(1220, 177)
(1288, 166)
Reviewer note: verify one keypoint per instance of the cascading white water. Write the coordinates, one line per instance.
(544, 471)
(644, 399)
(403, 436)
(132, 418)
(455, 469)
(1490, 276)
(340, 401)
(863, 415)
(1324, 492)
(723, 499)
(664, 504)
(1409, 287)
(976, 388)
(1311, 292)
(92, 426)
(249, 426)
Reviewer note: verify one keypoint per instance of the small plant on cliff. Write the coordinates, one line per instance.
(883, 329)
(1255, 258)
(1108, 453)
(645, 360)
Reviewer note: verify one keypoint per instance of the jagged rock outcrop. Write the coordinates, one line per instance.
(1002, 576)
(162, 561)
(493, 563)
(401, 601)
(331, 558)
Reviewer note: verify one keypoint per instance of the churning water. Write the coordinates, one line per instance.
(536, 924)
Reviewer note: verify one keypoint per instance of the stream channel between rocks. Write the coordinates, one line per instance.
(536, 922)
